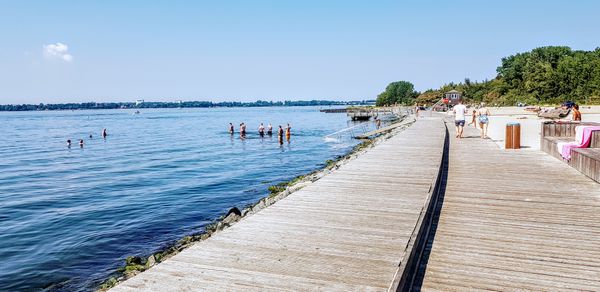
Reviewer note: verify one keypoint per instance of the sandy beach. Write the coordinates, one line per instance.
(530, 124)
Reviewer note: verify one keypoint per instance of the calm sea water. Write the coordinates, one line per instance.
(68, 217)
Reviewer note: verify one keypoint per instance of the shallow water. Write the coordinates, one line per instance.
(69, 216)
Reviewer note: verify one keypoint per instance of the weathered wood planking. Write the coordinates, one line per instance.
(345, 232)
(514, 220)
(587, 161)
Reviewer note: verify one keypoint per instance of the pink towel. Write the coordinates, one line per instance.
(583, 137)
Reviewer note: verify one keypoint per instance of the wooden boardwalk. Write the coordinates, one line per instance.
(514, 220)
(346, 232)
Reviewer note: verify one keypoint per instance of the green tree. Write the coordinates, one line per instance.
(401, 92)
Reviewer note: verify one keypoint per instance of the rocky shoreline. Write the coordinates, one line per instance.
(136, 264)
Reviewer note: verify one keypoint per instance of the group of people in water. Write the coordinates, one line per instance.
(69, 143)
(261, 131)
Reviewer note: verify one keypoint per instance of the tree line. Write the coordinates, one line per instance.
(545, 75)
(183, 104)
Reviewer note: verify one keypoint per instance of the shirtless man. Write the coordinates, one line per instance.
(261, 130)
(270, 130)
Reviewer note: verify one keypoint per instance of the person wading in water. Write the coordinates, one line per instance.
(280, 134)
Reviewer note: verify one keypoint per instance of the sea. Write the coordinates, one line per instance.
(70, 216)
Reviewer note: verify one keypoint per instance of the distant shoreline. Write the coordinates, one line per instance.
(183, 104)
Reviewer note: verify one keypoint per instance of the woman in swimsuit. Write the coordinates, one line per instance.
(242, 130)
(288, 132)
(280, 134)
(230, 128)
(484, 120)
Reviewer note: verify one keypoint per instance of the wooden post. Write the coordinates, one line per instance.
(516, 133)
(508, 139)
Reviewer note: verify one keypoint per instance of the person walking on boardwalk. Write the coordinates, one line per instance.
(261, 130)
(377, 123)
(484, 120)
(288, 132)
(576, 113)
(231, 129)
(459, 118)
(270, 130)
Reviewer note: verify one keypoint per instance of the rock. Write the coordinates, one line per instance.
(129, 261)
(235, 211)
(231, 217)
(151, 261)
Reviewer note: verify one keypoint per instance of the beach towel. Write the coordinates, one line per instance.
(583, 137)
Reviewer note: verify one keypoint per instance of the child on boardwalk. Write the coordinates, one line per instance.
(474, 119)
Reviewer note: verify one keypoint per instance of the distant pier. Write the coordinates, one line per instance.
(366, 113)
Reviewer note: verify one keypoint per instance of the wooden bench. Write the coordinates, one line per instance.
(585, 160)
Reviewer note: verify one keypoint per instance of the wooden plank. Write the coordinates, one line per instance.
(515, 220)
(344, 232)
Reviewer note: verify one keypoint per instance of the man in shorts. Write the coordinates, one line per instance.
(459, 117)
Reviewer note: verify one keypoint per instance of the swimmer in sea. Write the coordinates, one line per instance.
(90, 136)
(270, 130)
(230, 128)
(261, 130)
(81, 143)
(69, 143)
(104, 134)
(288, 132)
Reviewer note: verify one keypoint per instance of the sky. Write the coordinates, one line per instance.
(79, 51)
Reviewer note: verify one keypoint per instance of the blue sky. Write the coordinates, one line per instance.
(76, 51)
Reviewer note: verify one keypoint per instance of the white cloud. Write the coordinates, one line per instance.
(58, 51)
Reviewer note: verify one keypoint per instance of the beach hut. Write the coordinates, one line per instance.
(453, 96)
